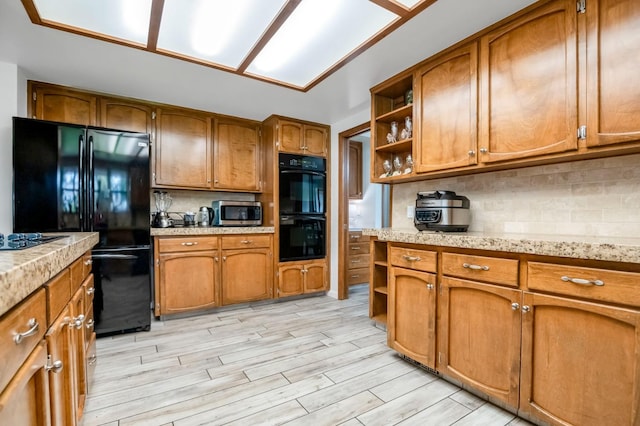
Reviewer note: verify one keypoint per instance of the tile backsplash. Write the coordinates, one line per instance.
(183, 201)
(598, 197)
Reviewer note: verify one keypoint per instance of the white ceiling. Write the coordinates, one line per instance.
(53, 56)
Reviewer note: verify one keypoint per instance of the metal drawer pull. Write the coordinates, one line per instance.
(515, 306)
(355, 248)
(411, 258)
(355, 276)
(189, 244)
(91, 290)
(92, 359)
(525, 309)
(475, 267)
(89, 324)
(429, 286)
(582, 281)
(88, 262)
(30, 332)
(77, 321)
(246, 241)
(55, 367)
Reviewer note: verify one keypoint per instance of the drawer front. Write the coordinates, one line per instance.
(358, 248)
(357, 237)
(357, 276)
(58, 294)
(480, 268)
(20, 331)
(246, 241)
(77, 274)
(187, 244)
(358, 261)
(589, 283)
(89, 291)
(420, 260)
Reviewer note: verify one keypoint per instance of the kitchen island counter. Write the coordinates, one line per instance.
(614, 249)
(211, 230)
(24, 271)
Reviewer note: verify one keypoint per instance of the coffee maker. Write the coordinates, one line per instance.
(163, 202)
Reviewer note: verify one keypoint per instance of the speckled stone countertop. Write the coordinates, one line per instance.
(211, 230)
(613, 249)
(24, 271)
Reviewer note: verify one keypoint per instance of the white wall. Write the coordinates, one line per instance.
(9, 88)
(598, 197)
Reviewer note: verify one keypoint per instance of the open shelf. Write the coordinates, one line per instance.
(382, 290)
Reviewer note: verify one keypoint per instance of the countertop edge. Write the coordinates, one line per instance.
(212, 230)
(612, 249)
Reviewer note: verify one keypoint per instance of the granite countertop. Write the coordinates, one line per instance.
(211, 230)
(24, 271)
(615, 249)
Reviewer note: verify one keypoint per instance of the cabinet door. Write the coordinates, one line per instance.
(290, 279)
(315, 140)
(63, 105)
(187, 281)
(411, 316)
(290, 136)
(315, 277)
(183, 150)
(25, 401)
(237, 155)
(580, 362)
(62, 389)
(479, 335)
(528, 85)
(447, 111)
(78, 344)
(124, 115)
(613, 56)
(355, 170)
(239, 286)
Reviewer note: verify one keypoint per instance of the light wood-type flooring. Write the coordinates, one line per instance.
(311, 361)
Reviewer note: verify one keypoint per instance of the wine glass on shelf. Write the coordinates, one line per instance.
(409, 165)
(386, 166)
(392, 136)
(397, 165)
(408, 126)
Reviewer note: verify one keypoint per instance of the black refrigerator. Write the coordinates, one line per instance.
(70, 178)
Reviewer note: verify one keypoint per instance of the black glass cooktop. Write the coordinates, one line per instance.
(19, 241)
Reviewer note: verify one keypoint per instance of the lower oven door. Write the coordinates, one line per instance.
(302, 237)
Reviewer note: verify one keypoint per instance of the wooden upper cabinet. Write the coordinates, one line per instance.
(125, 115)
(613, 60)
(237, 155)
(183, 154)
(528, 85)
(63, 105)
(290, 136)
(355, 170)
(446, 131)
(315, 140)
(302, 138)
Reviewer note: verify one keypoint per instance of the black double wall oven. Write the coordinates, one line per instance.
(303, 182)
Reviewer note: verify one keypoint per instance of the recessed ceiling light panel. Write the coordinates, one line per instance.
(123, 19)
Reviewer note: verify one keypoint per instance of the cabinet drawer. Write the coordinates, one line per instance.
(490, 269)
(187, 244)
(58, 294)
(358, 261)
(358, 248)
(590, 283)
(357, 237)
(357, 276)
(29, 316)
(246, 241)
(77, 274)
(420, 260)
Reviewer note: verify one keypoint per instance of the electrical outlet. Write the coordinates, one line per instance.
(410, 210)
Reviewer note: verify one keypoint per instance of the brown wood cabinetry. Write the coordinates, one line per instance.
(237, 155)
(183, 150)
(126, 115)
(241, 254)
(299, 137)
(62, 383)
(302, 277)
(358, 258)
(355, 171)
(446, 128)
(411, 317)
(378, 281)
(55, 103)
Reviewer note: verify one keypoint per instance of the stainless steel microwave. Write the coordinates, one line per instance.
(236, 213)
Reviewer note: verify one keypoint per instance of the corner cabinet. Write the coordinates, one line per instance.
(391, 102)
(237, 155)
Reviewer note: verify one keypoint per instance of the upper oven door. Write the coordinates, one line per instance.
(302, 191)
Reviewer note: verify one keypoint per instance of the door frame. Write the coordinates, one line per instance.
(343, 204)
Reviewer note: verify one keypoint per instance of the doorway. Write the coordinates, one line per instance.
(369, 209)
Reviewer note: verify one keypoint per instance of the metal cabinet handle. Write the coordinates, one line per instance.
(525, 309)
(88, 262)
(472, 153)
(54, 367)
(33, 324)
(91, 290)
(515, 306)
(89, 324)
(189, 243)
(224, 258)
(246, 242)
(77, 322)
(483, 150)
(475, 267)
(582, 281)
(92, 359)
(355, 276)
(355, 248)
(430, 287)
(411, 258)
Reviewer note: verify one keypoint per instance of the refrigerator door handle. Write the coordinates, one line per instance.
(113, 256)
(81, 182)
(90, 183)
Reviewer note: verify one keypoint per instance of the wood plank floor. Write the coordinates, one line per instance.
(312, 361)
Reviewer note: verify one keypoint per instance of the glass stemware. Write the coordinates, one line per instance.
(397, 165)
(409, 165)
(386, 165)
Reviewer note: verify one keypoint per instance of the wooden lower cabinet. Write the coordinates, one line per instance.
(411, 316)
(246, 275)
(479, 334)
(580, 362)
(302, 277)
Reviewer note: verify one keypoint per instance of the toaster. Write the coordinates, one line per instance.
(442, 211)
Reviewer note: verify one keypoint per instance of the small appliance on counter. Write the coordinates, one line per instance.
(236, 213)
(161, 218)
(442, 211)
(205, 216)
